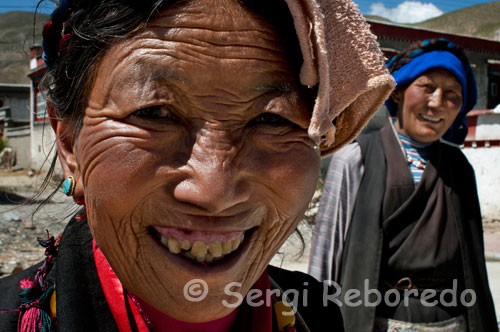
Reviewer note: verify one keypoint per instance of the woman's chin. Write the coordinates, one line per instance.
(178, 286)
(210, 300)
(426, 134)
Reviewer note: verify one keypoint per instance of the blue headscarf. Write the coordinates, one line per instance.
(424, 61)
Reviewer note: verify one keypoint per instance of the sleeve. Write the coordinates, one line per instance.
(335, 211)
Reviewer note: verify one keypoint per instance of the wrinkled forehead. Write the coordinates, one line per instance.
(224, 26)
(224, 29)
(443, 75)
(220, 15)
(231, 43)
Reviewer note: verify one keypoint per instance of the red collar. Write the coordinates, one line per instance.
(126, 308)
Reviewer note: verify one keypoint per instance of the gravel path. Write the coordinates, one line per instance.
(19, 228)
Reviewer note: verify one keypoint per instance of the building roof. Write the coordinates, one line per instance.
(392, 31)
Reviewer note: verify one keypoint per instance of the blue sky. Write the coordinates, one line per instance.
(398, 11)
(25, 5)
(412, 11)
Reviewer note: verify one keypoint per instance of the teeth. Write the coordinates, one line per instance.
(185, 245)
(236, 243)
(209, 258)
(201, 251)
(226, 247)
(189, 255)
(173, 245)
(215, 249)
(428, 118)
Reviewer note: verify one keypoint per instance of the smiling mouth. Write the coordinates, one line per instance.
(202, 247)
(429, 118)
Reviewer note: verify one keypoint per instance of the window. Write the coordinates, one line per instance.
(40, 111)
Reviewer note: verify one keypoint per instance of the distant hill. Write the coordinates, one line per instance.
(377, 18)
(479, 21)
(16, 38)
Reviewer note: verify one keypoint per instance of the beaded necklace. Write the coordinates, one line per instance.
(415, 153)
(420, 163)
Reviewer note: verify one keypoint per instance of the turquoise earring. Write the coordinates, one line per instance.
(68, 186)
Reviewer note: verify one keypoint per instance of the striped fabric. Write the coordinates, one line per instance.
(418, 152)
(335, 212)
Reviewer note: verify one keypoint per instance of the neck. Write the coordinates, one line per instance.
(161, 322)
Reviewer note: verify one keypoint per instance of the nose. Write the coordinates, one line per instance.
(213, 179)
(436, 99)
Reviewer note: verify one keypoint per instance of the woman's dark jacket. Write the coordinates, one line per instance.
(81, 305)
(381, 226)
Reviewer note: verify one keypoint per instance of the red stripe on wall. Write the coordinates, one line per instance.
(482, 144)
(471, 123)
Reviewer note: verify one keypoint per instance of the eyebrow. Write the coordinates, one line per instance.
(155, 74)
(284, 88)
(160, 75)
(454, 85)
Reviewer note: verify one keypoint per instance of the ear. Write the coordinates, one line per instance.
(66, 150)
(397, 96)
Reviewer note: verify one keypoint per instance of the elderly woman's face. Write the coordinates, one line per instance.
(195, 139)
(429, 105)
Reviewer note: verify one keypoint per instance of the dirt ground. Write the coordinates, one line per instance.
(20, 225)
(491, 226)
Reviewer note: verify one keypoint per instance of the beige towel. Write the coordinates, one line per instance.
(342, 56)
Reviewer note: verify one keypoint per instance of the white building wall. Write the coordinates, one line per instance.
(42, 141)
(488, 127)
(42, 146)
(21, 145)
(485, 162)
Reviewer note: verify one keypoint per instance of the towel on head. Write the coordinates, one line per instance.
(342, 57)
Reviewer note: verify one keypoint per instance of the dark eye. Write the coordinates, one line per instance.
(270, 119)
(454, 96)
(429, 87)
(454, 93)
(153, 112)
